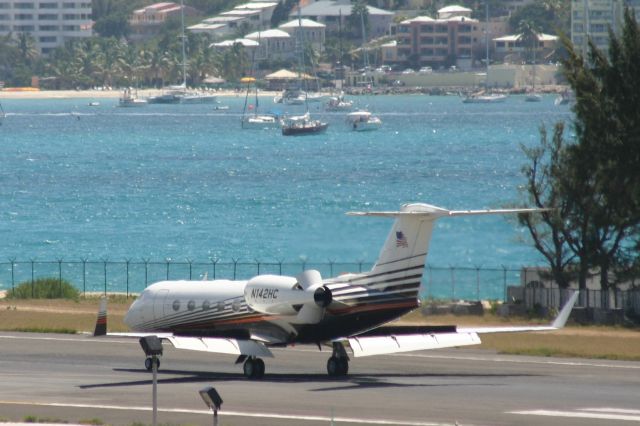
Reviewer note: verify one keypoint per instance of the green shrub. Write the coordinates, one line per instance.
(44, 288)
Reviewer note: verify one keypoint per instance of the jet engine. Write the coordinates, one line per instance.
(282, 295)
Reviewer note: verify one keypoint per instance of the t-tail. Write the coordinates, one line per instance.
(400, 264)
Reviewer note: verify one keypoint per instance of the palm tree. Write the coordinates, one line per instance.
(529, 37)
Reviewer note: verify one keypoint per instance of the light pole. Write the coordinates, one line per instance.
(152, 347)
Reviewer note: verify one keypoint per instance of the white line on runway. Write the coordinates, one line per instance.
(587, 413)
(323, 419)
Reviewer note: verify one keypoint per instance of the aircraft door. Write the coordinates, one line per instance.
(158, 304)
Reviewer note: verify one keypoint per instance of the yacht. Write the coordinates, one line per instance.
(362, 121)
(338, 103)
(302, 125)
(484, 98)
(129, 99)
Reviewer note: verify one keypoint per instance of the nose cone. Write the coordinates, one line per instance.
(132, 317)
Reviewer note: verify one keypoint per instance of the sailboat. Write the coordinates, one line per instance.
(362, 119)
(302, 124)
(178, 94)
(485, 97)
(130, 99)
(255, 120)
(532, 96)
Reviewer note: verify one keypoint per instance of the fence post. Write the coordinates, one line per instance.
(235, 267)
(331, 267)
(280, 266)
(127, 261)
(478, 282)
(214, 261)
(84, 276)
(360, 265)
(33, 283)
(430, 282)
(257, 266)
(13, 279)
(504, 282)
(168, 262)
(146, 271)
(104, 262)
(60, 276)
(453, 283)
(190, 262)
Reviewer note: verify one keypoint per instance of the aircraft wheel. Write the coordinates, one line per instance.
(148, 364)
(259, 366)
(344, 366)
(249, 368)
(337, 366)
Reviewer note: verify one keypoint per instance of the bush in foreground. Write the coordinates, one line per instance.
(44, 288)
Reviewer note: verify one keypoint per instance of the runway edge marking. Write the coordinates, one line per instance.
(586, 413)
(230, 413)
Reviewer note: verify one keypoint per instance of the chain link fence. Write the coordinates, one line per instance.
(132, 276)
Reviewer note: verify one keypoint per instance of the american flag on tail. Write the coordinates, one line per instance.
(401, 240)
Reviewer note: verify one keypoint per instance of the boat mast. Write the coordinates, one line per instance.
(184, 53)
(486, 42)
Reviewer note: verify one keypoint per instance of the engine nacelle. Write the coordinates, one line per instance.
(281, 295)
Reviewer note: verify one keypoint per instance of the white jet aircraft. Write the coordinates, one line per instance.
(245, 318)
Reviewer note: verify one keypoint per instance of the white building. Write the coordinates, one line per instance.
(273, 44)
(592, 19)
(305, 29)
(50, 22)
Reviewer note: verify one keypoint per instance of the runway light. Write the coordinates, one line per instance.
(211, 397)
(152, 347)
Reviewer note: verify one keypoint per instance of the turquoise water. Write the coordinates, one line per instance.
(184, 181)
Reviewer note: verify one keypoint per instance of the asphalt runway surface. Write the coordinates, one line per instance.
(78, 377)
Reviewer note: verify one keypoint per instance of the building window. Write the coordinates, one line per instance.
(23, 5)
(48, 5)
(47, 17)
(47, 39)
(23, 17)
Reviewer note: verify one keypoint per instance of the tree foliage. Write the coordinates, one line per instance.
(596, 191)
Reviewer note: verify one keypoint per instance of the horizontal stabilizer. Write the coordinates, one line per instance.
(367, 346)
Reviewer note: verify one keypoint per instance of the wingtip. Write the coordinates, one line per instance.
(563, 316)
(101, 322)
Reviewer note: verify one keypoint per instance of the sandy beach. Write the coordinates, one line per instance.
(99, 94)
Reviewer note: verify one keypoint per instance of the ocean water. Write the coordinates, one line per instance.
(186, 182)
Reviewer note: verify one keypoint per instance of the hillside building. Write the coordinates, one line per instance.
(51, 22)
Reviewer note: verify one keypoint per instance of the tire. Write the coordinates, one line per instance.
(259, 367)
(333, 366)
(343, 364)
(249, 368)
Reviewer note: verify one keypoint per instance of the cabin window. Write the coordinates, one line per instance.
(205, 305)
(176, 305)
(191, 305)
(220, 306)
(236, 306)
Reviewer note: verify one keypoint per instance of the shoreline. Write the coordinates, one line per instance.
(28, 93)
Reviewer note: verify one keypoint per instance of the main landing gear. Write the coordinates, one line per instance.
(338, 364)
(253, 368)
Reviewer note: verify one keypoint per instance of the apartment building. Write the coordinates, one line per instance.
(593, 18)
(50, 22)
(146, 23)
(445, 41)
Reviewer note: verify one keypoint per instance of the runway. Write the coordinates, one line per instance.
(81, 377)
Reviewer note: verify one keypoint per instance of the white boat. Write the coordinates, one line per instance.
(129, 99)
(251, 118)
(338, 103)
(94, 103)
(302, 124)
(484, 98)
(362, 121)
(179, 94)
(533, 97)
(564, 98)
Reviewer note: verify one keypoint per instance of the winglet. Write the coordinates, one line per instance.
(101, 322)
(563, 316)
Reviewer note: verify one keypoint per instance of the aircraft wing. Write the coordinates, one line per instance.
(406, 339)
(220, 345)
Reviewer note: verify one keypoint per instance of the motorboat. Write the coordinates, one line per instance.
(533, 97)
(129, 99)
(180, 95)
(362, 121)
(338, 103)
(484, 98)
(564, 98)
(302, 125)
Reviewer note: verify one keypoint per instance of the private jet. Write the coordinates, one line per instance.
(346, 313)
